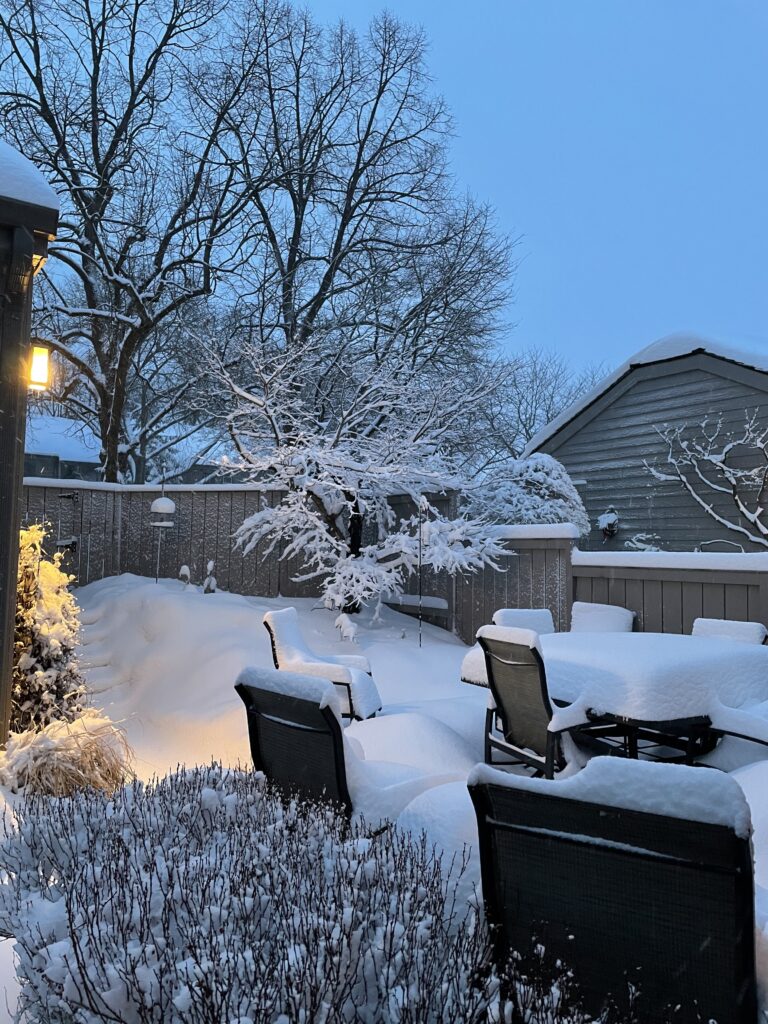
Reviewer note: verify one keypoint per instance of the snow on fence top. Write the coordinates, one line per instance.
(21, 181)
(671, 790)
(726, 561)
(672, 347)
(538, 531)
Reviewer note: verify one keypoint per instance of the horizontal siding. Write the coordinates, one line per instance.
(609, 453)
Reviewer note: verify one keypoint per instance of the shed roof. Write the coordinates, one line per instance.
(674, 346)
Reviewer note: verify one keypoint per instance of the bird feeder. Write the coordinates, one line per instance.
(162, 510)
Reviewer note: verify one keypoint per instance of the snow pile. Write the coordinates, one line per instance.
(349, 671)
(730, 629)
(590, 617)
(292, 684)
(87, 753)
(532, 490)
(672, 790)
(206, 898)
(21, 181)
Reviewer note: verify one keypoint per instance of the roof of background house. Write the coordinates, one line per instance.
(70, 440)
(675, 346)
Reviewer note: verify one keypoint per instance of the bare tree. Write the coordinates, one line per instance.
(126, 105)
(726, 474)
(375, 291)
(531, 387)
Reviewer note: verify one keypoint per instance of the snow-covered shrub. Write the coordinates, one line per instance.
(47, 685)
(204, 897)
(89, 752)
(529, 491)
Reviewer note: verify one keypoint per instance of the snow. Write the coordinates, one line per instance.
(539, 531)
(674, 346)
(730, 629)
(21, 181)
(292, 684)
(347, 670)
(164, 658)
(652, 676)
(747, 562)
(673, 790)
(511, 635)
(71, 440)
(591, 617)
(538, 619)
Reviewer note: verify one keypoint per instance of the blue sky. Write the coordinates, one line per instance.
(626, 143)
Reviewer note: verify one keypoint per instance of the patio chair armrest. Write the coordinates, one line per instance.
(357, 661)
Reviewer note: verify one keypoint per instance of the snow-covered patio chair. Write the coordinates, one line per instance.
(731, 629)
(350, 673)
(590, 617)
(629, 872)
(538, 619)
(518, 720)
(296, 739)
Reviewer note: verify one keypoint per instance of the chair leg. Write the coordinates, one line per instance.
(488, 749)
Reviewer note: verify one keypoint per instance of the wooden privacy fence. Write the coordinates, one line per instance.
(105, 530)
(667, 590)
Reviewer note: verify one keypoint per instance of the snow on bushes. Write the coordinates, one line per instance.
(47, 684)
(89, 752)
(533, 490)
(203, 897)
(56, 744)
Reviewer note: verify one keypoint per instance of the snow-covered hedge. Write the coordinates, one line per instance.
(526, 491)
(206, 899)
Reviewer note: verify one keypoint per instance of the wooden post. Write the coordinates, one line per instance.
(25, 231)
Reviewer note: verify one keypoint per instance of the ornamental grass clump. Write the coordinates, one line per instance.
(206, 897)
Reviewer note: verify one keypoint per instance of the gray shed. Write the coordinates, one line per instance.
(665, 413)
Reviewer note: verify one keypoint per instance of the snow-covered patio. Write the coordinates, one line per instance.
(162, 660)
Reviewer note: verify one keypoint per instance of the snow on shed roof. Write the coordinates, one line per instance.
(21, 181)
(675, 346)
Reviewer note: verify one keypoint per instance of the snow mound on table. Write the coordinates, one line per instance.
(414, 739)
(671, 790)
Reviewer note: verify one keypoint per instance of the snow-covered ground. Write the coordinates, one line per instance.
(162, 660)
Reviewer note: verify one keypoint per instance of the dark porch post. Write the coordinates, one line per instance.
(28, 220)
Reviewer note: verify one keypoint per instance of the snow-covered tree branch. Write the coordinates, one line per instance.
(725, 473)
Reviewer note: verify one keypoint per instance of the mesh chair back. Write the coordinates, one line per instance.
(297, 744)
(613, 891)
(518, 683)
(538, 619)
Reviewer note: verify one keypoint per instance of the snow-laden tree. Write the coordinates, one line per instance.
(336, 517)
(724, 472)
(533, 490)
(47, 685)
(364, 342)
(126, 106)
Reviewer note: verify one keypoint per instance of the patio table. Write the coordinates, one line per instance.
(656, 678)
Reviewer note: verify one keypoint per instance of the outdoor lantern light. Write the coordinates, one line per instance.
(39, 367)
